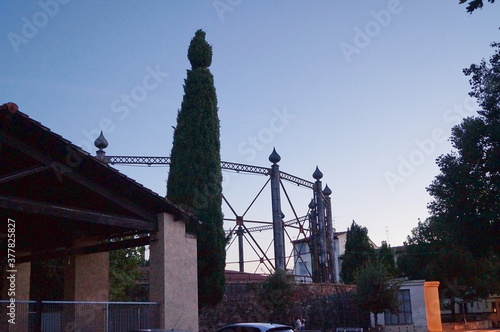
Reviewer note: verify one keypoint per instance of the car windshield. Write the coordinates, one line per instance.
(255, 329)
(281, 329)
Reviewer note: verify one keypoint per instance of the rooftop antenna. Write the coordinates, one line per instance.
(387, 234)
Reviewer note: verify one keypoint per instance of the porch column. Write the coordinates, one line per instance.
(173, 274)
(87, 275)
(86, 278)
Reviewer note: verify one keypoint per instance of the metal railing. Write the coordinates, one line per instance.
(60, 316)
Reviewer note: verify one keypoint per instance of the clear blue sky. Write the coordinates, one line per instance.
(365, 90)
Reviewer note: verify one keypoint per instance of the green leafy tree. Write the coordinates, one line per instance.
(358, 251)
(387, 259)
(466, 194)
(472, 5)
(125, 274)
(195, 177)
(277, 296)
(462, 232)
(429, 256)
(376, 290)
(49, 281)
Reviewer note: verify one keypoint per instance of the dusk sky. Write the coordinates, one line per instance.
(368, 91)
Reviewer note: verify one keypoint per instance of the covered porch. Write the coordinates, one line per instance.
(57, 201)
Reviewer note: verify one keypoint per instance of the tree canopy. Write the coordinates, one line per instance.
(472, 5)
(125, 273)
(195, 177)
(376, 290)
(277, 296)
(358, 251)
(387, 259)
(461, 235)
(466, 194)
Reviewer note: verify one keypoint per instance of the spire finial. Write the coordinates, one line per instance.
(274, 157)
(327, 191)
(101, 143)
(317, 174)
(312, 204)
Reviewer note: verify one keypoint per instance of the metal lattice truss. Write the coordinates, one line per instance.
(131, 160)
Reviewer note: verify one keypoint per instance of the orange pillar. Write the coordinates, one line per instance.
(432, 306)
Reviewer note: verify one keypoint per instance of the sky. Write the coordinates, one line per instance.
(367, 91)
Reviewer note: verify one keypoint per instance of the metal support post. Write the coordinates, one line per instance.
(239, 233)
(330, 231)
(278, 231)
(320, 208)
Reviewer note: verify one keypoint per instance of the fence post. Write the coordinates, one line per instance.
(106, 317)
(38, 316)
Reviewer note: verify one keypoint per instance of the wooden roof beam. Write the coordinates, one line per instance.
(63, 212)
(71, 174)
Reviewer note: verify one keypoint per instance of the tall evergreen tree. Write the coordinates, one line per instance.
(358, 251)
(195, 177)
(387, 259)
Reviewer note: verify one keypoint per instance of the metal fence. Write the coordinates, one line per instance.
(62, 316)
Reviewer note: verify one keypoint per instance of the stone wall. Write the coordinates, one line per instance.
(240, 304)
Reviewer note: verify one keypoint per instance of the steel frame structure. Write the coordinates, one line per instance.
(323, 269)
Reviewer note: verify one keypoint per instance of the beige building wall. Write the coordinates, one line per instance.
(173, 274)
(425, 308)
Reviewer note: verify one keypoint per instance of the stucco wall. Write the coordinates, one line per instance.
(173, 274)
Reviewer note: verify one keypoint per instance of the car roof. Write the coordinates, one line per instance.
(264, 325)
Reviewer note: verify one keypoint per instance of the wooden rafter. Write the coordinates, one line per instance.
(96, 188)
(49, 209)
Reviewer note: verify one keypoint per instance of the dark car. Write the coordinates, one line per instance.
(159, 330)
(255, 327)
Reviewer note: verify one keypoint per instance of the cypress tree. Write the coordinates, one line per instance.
(358, 252)
(195, 177)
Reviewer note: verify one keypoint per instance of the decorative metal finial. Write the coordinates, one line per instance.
(317, 174)
(312, 204)
(274, 157)
(101, 143)
(327, 191)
